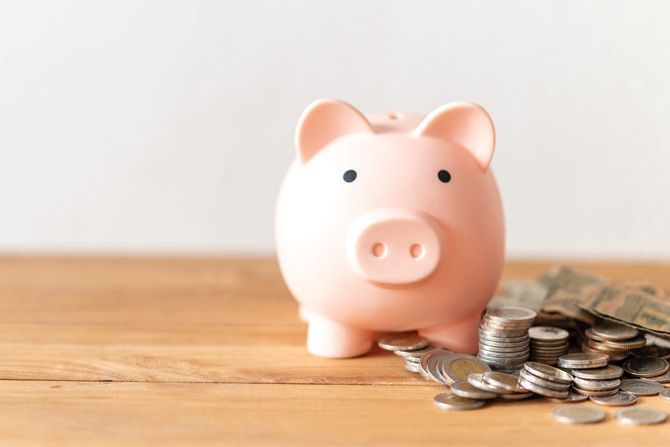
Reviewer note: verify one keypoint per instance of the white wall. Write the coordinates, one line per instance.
(156, 126)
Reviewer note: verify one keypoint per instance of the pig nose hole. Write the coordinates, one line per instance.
(379, 250)
(417, 251)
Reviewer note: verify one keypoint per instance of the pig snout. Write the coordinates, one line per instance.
(394, 246)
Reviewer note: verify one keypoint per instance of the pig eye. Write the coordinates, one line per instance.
(444, 176)
(349, 176)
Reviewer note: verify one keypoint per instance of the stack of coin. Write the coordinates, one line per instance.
(408, 345)
(648, 368)
(545, 380)
(503, 337)
(583, 360)
(447, 368)
(547, 344)
(615, 340)
(481, 387)
(597, 382)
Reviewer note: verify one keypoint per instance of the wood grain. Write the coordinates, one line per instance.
(128, 351)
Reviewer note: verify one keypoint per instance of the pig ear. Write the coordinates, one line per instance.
(465, 124)
(324, 121)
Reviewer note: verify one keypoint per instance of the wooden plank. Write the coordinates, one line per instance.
(233, 354)
(167, 292)
(101, 414)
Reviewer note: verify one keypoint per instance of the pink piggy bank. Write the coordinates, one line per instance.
(391, 223)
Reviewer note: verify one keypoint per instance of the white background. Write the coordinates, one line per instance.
(165, 127)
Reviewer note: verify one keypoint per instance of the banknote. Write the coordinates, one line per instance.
(567, 292)
(636, 306)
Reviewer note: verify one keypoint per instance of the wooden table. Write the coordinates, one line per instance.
(210, 351)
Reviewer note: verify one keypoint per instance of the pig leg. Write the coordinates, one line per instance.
(327, 338)
(304, 314)
(462, 336)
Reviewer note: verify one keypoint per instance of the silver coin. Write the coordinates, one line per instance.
(489, 321)
(665, 394)
(619, 399)
(413, 367)
(415, 353)
(448, 401)
(497, 345)
(548, 333)
(552, 354)
(427, 356)
(607, 372)
(572, 398)
(497, 363)
(544, 383)
(516, 354)
(440, 370)
(652, 351)
(548, 372)
(501, 334)
(553, 350)
(663, 378)
(516, 396)
(457, 367)
(633, 343)
(549, 348)
(467, 390)
(640, 416)
(646, 366)
(579, 360)
(548, 345)
(416, 360)
(590, 393)
(614, 331)
(578, 415)
(506, 382)
(543, 391)
(477, 380)
(433, 367)
(483, 335)
(405, 341)
(511, 313)
(597, 385)
(641, 387)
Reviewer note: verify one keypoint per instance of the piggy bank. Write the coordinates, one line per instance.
(390, 223)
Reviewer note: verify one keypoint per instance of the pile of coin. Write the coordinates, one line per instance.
(408, 345)
(598, 382)
(548, 343)
(447, 368)
(615, 340)
(503, 337)
(649, 368)
(481, 387)
(579, 376)
(545, 380)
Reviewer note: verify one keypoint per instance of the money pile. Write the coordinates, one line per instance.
(408, 345)
(503, 337)
(648, 368)
(598, 382)
(548, 343)
(447, 368)
(501, 370)
(615, 340)
(545, 380)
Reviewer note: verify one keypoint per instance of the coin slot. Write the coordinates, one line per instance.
(395, 115)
